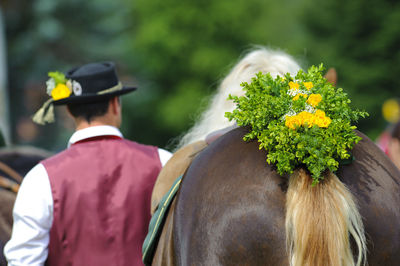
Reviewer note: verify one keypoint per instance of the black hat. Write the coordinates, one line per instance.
(85, 84)
(93, 82)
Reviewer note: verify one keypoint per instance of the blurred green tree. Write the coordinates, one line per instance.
(182, 48)
(177, 52)
(361, 40)
(47, 35)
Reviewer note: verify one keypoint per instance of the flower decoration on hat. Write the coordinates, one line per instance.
(57, 86)
(97, 82)
(76, 87)
(301, 121)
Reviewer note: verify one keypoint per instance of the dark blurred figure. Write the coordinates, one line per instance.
(2, 141)
(393, 149)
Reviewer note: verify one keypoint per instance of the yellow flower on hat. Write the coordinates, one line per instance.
(61, 91)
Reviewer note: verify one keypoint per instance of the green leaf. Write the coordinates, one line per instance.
(58, 77)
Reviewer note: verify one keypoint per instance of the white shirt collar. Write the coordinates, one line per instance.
(95, 131)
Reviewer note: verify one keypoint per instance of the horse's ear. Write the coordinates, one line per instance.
(331, 76)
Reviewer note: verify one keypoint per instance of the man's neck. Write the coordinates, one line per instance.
(111, 118)
(82, 124)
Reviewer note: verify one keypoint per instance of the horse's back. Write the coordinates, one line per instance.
(230, 209)
(231, 206)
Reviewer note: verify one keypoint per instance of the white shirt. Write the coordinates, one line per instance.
(33, 208)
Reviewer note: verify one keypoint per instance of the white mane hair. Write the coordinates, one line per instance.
(258, 60)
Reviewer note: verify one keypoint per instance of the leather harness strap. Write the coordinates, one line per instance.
(11, 172)
(6, 182)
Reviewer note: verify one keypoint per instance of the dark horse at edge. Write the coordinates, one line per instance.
(230, 209)
(14, 164)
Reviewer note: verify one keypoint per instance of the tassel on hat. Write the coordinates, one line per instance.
(45, 114)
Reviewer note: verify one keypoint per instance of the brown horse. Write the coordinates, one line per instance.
(232, 205)
(14, 164)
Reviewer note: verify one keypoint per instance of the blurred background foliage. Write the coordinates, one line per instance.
(176, 52)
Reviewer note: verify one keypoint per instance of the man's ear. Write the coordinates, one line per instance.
(115, 105)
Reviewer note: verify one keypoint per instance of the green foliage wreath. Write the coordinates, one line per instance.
(303, 120)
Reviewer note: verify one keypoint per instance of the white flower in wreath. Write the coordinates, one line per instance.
(51, 84)
(309, 109)
(76, 87)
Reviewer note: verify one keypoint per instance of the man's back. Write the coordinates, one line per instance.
(101, 193)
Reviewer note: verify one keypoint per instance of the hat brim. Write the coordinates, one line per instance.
(89, 98)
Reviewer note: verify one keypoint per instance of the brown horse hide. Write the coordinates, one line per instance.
(230, 209)
(7, 199)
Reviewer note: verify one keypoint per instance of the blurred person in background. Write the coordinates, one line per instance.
(89, 204)
(391, 114)
(393, 147)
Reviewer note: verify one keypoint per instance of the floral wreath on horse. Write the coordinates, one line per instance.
(301, 120)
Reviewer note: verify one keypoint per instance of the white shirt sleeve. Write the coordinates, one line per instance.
(33, 217)
(164, 156)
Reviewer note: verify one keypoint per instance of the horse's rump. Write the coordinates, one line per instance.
(227, 210)
(231, 206)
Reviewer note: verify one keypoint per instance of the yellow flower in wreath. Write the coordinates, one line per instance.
(321, 119)
(305, 118)
(294, 86)
(295, 98)
(291, 122)
(308, 85)
(61, 91)
(314, 99)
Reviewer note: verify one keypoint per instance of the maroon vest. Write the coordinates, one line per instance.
(101, 190)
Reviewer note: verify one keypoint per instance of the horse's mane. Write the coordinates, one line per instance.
(260, 59)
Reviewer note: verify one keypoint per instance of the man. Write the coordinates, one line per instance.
(90, 204)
